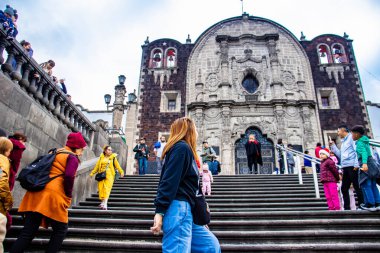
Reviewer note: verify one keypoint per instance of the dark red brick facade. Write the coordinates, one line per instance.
(351, 107)
(151, 120)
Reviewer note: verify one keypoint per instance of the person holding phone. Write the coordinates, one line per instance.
(349, 162)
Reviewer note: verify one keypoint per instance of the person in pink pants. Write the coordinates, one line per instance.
(329, 176)
(207, 179)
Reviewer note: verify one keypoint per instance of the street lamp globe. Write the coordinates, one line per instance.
(107, 99)
(131, 97)
(122, 79)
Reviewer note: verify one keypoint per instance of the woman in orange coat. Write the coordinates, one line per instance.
(50, 205)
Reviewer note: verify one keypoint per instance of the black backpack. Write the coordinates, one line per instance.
(35, 176)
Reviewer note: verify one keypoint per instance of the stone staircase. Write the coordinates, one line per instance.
(254, 213)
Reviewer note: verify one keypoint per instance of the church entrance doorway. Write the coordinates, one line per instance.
(267, 151)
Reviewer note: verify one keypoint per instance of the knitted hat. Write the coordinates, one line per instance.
(205, 166)
(75, 140)
(325, 152)
(9, 10)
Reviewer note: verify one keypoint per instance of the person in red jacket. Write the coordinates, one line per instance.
(317, 149)
(329, 177)
(18, 140)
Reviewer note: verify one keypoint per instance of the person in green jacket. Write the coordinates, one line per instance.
(369, 170)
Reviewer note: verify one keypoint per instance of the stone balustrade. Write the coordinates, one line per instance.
(41, 88)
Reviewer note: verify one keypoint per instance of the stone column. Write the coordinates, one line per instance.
(279, 113)
(46, 94)
(199, 87)
(53, 94)
(57, 109)
(118, 106)
(198, 120)
(130, 136)
(226, 147)
(7, 66)
(16, 74)
(307, 127)
(275, 66)
(24, 82)
(224, 61)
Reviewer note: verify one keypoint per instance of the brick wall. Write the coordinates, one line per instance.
(151, 120)
(350, 95)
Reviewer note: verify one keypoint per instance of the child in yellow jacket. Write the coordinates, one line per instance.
(6, 200)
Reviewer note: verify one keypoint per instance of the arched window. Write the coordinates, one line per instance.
(171, 58)
(338, 54)
(250, 83)
(156, 59)
(324, 54)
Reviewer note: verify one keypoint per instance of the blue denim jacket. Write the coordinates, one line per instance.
(347, 152)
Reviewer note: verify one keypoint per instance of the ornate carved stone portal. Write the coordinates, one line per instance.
(245, 73)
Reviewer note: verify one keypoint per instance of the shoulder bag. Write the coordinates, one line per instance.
(102, 175)
(201, 211)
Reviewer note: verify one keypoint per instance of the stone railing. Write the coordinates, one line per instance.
(42, 89)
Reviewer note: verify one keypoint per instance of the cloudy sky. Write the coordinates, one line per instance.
(94, 41)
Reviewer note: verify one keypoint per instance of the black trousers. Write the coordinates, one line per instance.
(32, 223)
(350, 176)
(282, 166)
(255, 169)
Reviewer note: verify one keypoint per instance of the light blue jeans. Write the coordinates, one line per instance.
(181, 235)
(370, 192)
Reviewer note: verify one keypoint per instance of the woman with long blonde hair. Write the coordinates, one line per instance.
(176, 193)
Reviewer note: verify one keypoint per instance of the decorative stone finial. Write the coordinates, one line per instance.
(188, 40)
(147, 40)
(303, 37)
(345, 35)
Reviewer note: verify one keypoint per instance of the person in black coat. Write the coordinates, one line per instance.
(253, 150)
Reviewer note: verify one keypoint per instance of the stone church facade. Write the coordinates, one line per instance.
(250, 75)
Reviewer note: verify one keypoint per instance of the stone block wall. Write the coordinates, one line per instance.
(121, 149)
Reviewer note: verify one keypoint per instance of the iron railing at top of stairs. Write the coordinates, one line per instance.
(298, 156)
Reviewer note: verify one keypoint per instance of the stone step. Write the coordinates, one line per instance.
(261, 237)
(214, 209)
(221, 225)
(264, 215)
(212, 205)
(211, 199)
(224, 192)
(222, 182)
(226, 177)
(221, 187)
(89, 246)
(225, 216)
(224, 196)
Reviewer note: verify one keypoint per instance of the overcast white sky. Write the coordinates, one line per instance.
(94, 41)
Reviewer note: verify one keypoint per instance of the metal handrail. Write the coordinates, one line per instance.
(299, 154)
(375, 143)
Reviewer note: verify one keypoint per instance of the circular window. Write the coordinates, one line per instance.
(250, 83)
